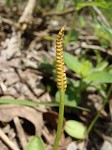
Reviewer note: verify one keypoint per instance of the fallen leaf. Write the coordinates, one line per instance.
(13, 47)
(72, 146)
(106, 146)
(8, 112)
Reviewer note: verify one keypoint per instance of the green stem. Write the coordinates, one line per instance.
(60, 120)
(98, 114)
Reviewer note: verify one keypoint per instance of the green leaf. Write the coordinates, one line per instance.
(27, 102)
(36, 143)
(102, 76)
(86, 66)
(101, 66)
(102, 4)
(75, 129)
(72, 62)
(30, 103)
(105, 29)
(60, 5)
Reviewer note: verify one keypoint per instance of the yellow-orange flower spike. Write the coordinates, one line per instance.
(60, 68)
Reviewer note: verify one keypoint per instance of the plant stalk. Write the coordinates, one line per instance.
(60, 119)
(98, 114)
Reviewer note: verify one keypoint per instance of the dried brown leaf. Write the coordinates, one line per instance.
(13, 47)
(8, 112)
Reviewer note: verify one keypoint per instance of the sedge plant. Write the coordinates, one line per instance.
(61, 83)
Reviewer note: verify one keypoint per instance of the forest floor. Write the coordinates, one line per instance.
(27, 72)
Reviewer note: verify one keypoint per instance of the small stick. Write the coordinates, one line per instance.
(70, 10)
(7, 140)
(20, 132)
(27, 14)
(84, 45)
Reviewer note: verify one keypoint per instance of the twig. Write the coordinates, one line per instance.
(70, 10)
(8, 21)
(89, 37)
(8, 141)
(84, 45)
(46, 135)
(27, 14)
(20, 132)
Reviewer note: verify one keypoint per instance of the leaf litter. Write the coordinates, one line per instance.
(26, 44)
